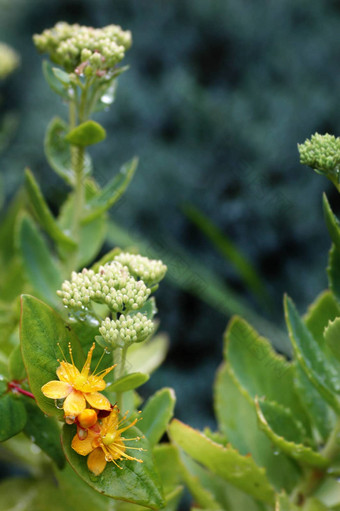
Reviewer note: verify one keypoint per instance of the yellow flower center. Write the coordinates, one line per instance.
(110, 438)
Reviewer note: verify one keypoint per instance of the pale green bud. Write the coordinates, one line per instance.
(112, 285)
(322, 153)
(151, 271)
(70, 46)
(126, 330)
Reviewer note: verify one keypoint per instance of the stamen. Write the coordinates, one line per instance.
(101, 358)
(124, 455)
(70, 352)
(114, 461)
(120, 430)
(63, 354)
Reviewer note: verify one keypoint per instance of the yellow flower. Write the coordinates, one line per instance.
(78, 387)
(107, 444)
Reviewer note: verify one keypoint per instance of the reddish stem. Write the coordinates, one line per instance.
(17, 387)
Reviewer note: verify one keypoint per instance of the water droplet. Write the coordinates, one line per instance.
(35, 449)
(59, 403)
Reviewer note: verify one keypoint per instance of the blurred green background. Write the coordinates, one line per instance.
(218, 94)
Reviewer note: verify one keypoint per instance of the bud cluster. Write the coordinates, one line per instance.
(151, 271)
(126, 330)
(112, 285)
(321, 152)
(84, 50)
(9, 60)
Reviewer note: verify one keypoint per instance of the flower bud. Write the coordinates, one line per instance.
(87, 418)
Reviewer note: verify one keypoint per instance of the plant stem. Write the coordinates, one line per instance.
(79, 197)
(16, 386)
(314, 477)
(77, 165)
(332, 447)
(120, 373)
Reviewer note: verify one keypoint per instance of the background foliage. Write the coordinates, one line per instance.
(217, 97)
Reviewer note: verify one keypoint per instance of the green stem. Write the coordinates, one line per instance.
(79, 197)
(120, 373)
(314, 477)
(332, 447)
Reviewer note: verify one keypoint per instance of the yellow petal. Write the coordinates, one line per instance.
(82, 447)
(74, 404)
(56, 389)
(93, 384)
(98, 401)
(67, 372)
(96, 461)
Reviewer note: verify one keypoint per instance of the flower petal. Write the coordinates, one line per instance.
(74, 404)
(96, 461)
(98, 401)
(67, 372)
(82, 447)
(56, 389)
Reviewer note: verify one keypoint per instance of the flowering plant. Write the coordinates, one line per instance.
(81, 339)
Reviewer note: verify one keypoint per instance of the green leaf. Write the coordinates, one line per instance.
(320, 369)
(3, 386)
(148, 356)
(12, 416)
(242, 430)
(258, 369)
(129, 382)
(157, 413)
(58, 151)
(52, 80)
(333, 271)
(324, 309)
(42, 330)
(198, 480)
(91, 235)
(61, 75)
(332, 337)
(136, 482)
(7, 229)
(226, 462)
(44, 432)
(16, 365)
(27, 494)
(321, 415)
(85, 134)
(77, 493)
(167, 463)
(43, 212)
(314, 505)
(231, 254)
(112, 192)
(212, 492)
(39, 266)
(286, 433)
(332, 222)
